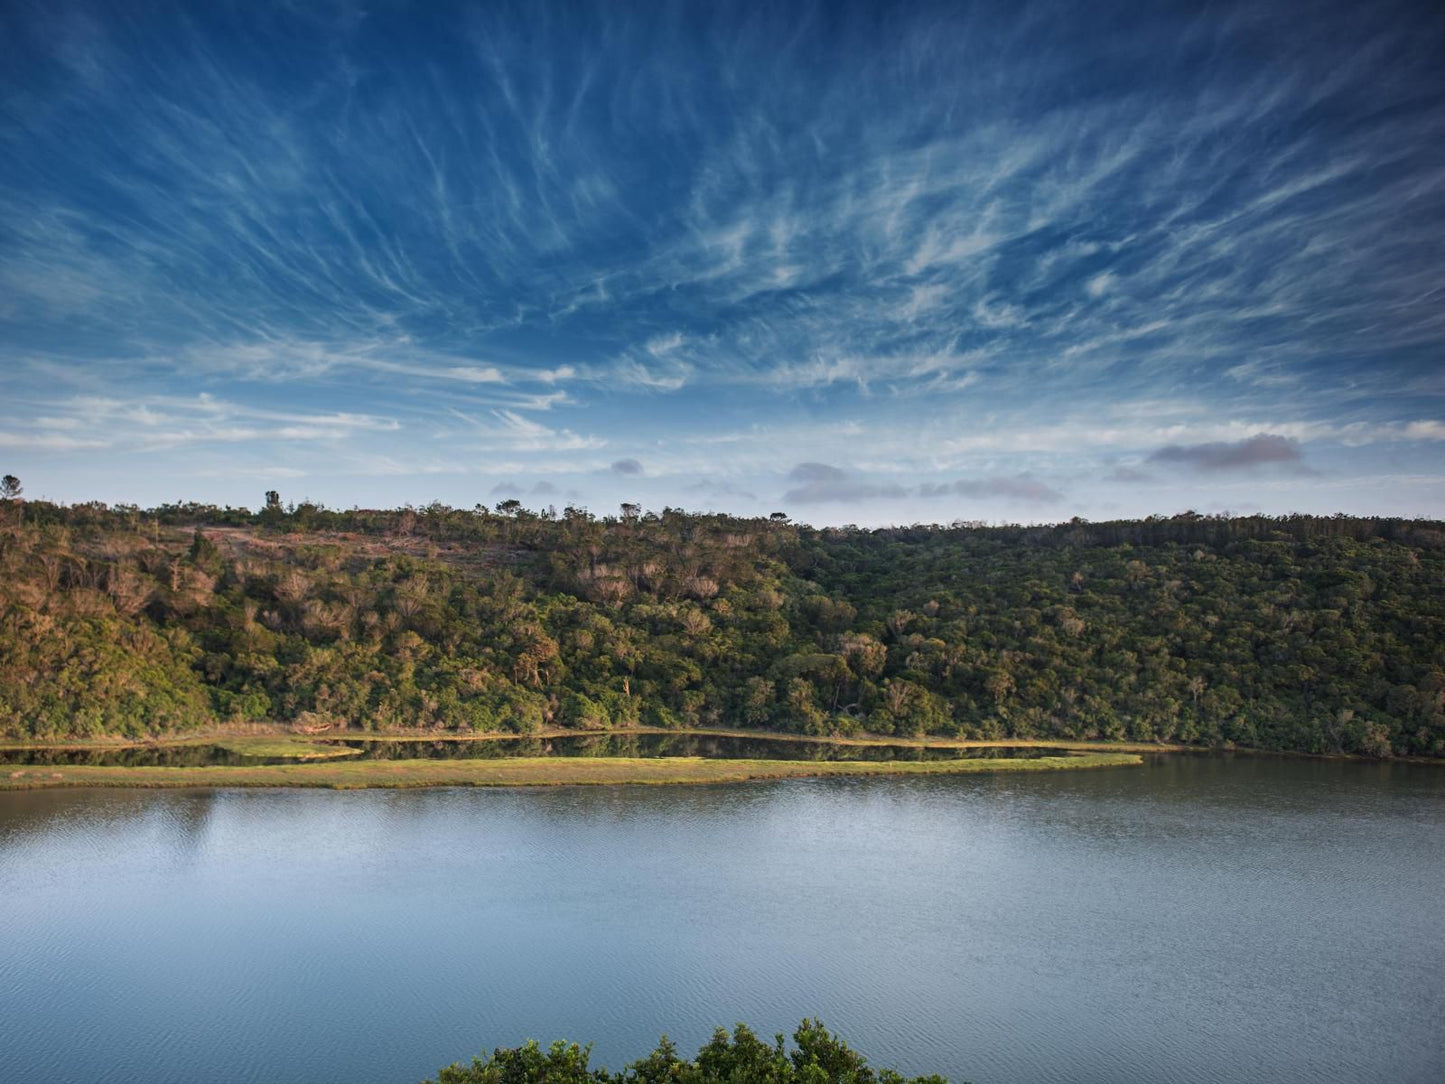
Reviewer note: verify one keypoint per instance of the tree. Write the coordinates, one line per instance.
(10, 489)
(272, 512)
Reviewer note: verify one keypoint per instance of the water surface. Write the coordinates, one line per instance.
(1200, 919)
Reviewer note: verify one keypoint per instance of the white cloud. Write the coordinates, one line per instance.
(472, 374)
(48, 442)
(663, 345)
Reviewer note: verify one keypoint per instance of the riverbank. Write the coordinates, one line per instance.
(264, 740)
(526, 772)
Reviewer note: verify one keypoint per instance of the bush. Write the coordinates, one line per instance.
(741, 1058)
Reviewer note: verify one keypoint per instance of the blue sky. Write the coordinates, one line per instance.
(870, 263)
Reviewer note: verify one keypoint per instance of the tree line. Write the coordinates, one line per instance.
(1314, 634)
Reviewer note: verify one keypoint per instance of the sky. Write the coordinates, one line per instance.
(859, 263)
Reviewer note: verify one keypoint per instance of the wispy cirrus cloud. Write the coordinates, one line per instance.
(982, 234)
(511, 431)
(151, 423)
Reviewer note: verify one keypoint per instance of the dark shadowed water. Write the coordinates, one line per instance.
(1200, 919)
(679, 745)
(135, 756)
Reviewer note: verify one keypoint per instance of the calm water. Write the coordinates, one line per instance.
(1201, 919)
(582, 745)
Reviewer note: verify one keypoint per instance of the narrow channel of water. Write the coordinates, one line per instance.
(136, 756)
(673, 745)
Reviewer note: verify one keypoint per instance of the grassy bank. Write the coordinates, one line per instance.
(295, 749)
(524, 771)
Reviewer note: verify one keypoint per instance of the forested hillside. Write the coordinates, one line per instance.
(1311, 634)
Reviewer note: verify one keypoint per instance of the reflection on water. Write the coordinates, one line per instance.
(671, 745)
(137, 756)
(1199, 919)
(582, 745)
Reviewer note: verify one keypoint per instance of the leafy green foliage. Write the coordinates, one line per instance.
(1312, 634)
(740, 1058)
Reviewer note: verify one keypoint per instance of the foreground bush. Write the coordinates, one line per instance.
(742, 1058)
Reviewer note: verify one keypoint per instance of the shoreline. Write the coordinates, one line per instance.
(240, 738)
(525, 772)
(270, 735)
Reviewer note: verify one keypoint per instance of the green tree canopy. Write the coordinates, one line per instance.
(818, 1057)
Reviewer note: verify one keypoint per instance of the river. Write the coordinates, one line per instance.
(1203, 918)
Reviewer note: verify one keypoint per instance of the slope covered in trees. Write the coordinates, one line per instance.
(1300, 633)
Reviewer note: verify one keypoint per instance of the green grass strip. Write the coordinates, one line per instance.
(526, 772)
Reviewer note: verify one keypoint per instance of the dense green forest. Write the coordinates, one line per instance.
(742, 1058)
(1299, 633)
